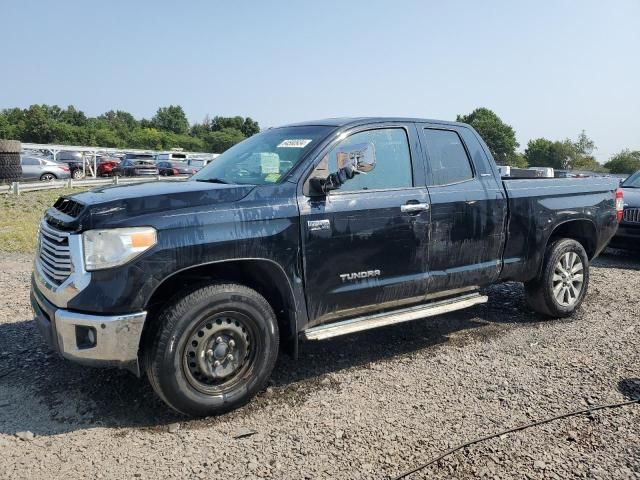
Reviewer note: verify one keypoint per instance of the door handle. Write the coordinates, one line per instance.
(414, 207)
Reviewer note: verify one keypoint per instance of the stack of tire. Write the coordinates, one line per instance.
(10, 168)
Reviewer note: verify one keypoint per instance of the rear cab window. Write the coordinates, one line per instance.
(447, 159)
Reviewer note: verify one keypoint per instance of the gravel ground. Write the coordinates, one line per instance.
(369, 405)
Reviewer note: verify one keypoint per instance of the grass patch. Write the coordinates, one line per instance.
(21, 214)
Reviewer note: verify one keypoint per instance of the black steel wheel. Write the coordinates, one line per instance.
(217, 352)
(212, 349)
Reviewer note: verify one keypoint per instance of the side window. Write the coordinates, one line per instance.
(393, 160)
(30, 161)
(448, 160)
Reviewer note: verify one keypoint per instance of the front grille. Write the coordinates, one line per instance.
(53, 253)
(631, 215)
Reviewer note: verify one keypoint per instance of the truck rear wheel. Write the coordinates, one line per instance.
(560, 287)
(213, 349)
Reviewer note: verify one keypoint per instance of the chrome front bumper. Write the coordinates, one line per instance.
(96, 340)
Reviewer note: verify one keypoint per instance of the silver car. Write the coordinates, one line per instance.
(38, 168)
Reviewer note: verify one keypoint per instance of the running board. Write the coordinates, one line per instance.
(391, 318)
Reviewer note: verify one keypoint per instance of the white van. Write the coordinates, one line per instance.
(171, 156)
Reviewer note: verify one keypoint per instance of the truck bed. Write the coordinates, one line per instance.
(538, 206)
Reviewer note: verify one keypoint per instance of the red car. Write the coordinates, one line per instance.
(106, 166)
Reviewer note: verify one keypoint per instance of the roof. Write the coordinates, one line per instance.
(344, 121)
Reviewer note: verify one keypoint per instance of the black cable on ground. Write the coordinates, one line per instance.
(511, 430)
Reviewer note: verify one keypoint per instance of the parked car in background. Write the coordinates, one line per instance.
(134, 167)
(198, 163)
(138, 156)
(74, 160)
(628, 234)
(175, 168)
(106, 166)
(171, 156)
(40, 168)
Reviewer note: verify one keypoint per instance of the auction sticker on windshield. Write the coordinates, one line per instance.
(294, 143)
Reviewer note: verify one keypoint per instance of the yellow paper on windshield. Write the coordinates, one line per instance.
(272, 177)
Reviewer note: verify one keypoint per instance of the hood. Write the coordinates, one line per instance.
(86, 210)
(631, 197)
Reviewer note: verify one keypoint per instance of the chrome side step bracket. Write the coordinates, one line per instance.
(391, 318)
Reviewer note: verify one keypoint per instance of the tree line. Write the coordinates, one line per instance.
(564, 154)
(168, 128)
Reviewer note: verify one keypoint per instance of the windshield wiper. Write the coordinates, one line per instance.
(211, 180)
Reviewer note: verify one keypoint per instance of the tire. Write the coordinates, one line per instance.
(77, 174)
(10, 146)
(10, 166)
(562, 284)
(179, 355)
(46, 177)
(10, 173)
(9, 159)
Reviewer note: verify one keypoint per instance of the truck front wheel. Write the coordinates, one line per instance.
(562, 283)
(212, 349)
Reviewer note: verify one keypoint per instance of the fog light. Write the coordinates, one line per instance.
(85, 337)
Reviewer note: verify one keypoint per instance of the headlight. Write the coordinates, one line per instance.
(114, 247)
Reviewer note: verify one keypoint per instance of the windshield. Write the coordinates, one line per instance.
(263, 158)
(633, 181)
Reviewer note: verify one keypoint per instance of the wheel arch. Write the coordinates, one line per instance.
(265, 276)
(582, 230)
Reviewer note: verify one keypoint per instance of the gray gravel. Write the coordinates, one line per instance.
(366, 406)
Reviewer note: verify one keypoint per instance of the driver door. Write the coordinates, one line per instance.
(365, 244)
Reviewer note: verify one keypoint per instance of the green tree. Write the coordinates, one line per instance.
(250, 127)
(219, 123)
(172, 119)
(221, 140)
(538, 153)
(169, 128)
(545, 153)
(118, 119)
(73, 117)
(626, 161)
(517, 160)
(499, 137)
(37, 126)
(6, 129)
(586, 162)
(247, 125)
(584, 145)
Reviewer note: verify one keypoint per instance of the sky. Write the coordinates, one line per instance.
(549, 68)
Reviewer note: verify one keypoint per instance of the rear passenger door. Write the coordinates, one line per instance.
(468, 209)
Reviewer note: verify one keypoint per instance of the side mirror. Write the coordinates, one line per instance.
(351, 161)
(360, 158)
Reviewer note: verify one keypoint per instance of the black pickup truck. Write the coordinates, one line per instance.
(307, 231)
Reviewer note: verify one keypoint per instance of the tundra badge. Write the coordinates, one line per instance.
(359, 275)
(316, 225)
